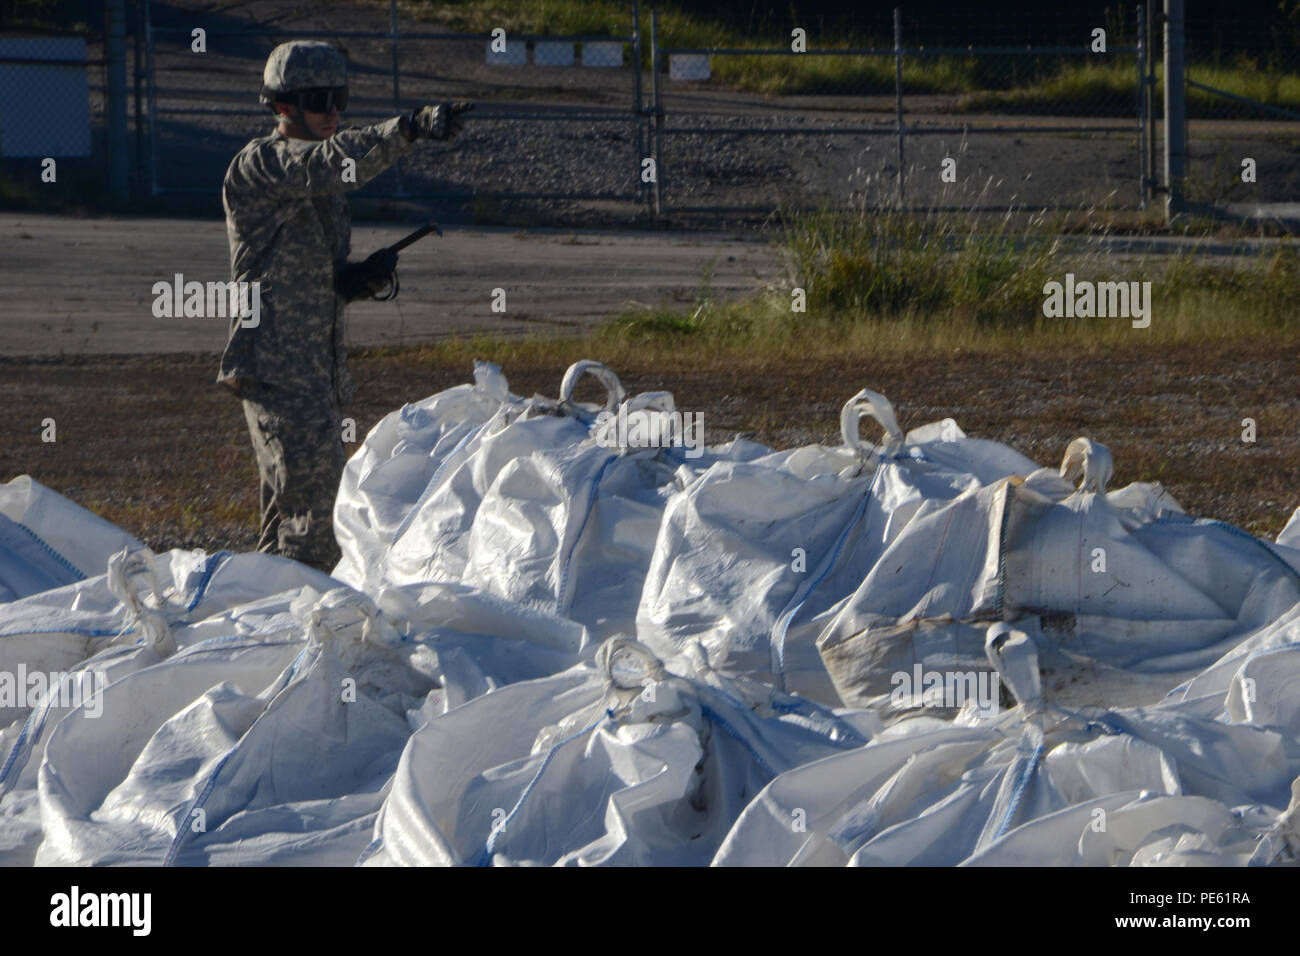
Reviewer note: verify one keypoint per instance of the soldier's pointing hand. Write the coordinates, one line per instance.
(440, 122)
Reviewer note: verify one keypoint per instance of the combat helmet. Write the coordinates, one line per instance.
(303, 65)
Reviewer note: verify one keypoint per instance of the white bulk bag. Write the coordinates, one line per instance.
(400, 458)
(571, 530)
(930, 793)
(751, 558)
(1136, 599)
(47, 541)
(431, 543)
(619, 762)
(59, 648)
(264, 750)
(479, 641)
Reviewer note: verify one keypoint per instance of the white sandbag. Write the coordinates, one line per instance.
(620, 762)
(935, 794)
(209, 701)
(432, 541)
(557, 509)
(170, 594)
(481, 642)
(253, 751)
(1141, 599)
(753, 560)
(571, 530)
(59, 650)
(1036, 785)
(399, 461)
(47, 541)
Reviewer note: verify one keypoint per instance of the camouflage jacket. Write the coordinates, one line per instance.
(289, 229)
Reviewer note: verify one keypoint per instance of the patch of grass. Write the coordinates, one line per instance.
(1107, 88)
(1249, 78)
(1089, 88)
(848, 74)
(583, 17)
(927, 268)
(920, 282)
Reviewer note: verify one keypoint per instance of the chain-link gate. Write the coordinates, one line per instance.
(1243, 105)
(997, 126)
(912, 118)
(586, 89)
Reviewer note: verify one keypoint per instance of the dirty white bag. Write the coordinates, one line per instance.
(400, 460)
(557, 509)
(618, 762)
(266, 750)
(47, 541)
(1134, 599)
(60, 649)
(571, 530)
(752, 558)
(1027, 789)
(432, 541)
(481, 642)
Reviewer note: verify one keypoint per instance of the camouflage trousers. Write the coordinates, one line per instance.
(298, 442)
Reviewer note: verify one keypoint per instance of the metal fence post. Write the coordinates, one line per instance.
(115, 108)
(659, 113)
(638, 107)
(1142, 102)
(1175, 112)
(137, 90)
(898, 93)
(1152, 38)
(151, 97)
(397, 91)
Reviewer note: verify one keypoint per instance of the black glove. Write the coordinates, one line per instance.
(441, 122)
(370, 278)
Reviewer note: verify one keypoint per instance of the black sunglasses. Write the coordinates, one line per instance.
(320, 99)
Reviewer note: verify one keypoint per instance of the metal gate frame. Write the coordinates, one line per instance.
(635, 114)
(900, 129)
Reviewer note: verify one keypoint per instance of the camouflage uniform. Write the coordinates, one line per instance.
(289, 229)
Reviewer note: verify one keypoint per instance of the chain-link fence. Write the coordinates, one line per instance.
(556, 117)
(1048, 111)
(902, 122)
(1243, 109)
(52, 131)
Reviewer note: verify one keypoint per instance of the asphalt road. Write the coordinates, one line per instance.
(85, 286)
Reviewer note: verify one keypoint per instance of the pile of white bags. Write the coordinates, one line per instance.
(537, 502)
(567, 633)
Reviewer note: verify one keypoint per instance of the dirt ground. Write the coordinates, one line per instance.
(152, 445)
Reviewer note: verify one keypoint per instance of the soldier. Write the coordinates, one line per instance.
(289, 229)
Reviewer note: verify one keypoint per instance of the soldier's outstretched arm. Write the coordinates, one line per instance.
(302, 168)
